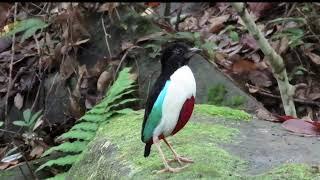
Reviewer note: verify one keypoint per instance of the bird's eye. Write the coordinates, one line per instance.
(177, 51)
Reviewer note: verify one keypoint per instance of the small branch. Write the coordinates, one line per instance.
(166, 13)
(301, 101)
(11, 66)
(276, 61)
(178, 18)
(106, 35)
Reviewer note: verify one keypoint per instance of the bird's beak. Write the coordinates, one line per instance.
(192, 51)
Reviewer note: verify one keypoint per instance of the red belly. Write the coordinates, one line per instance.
(185, 114)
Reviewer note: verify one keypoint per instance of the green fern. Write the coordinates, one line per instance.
(88, 124)
(77, 134)
(62, 161)
(75, 147)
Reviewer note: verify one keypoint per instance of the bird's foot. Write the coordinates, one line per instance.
(172, 170)
(181, 159)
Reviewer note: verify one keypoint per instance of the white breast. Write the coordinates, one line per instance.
(181, 88)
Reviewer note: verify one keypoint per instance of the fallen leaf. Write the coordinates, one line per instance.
(82, 41)
(242, 66)
(301, 127)
(5, 43)
(103, 81)
(38, 123)
(126, 45)
(266, 115)
(204, 19)
(152, 4)
(37, 151)
(260, 9)
(12, 157)
(252, 89)
(109, 7)
(4, 13)
(189, 24)
(18, 101)
(150, 37)
(314, 96)
(248, 41)
(217, 23)
(5, 165)
(284, 44)
(259, 78)
(314, 57)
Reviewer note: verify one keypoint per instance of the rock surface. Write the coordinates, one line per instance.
(222, 148)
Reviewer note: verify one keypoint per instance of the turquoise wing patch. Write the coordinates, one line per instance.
(155, 115)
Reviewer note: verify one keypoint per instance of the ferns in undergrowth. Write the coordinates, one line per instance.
(86, 128)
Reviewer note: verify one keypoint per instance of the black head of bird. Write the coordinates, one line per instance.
(177, 55)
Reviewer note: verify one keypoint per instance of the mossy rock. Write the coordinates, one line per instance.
(117, 151)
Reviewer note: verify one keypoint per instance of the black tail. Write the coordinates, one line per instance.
(147, 149)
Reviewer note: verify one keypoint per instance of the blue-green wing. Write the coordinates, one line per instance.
(155, 115)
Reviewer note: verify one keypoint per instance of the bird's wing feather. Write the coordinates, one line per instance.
(152, 119)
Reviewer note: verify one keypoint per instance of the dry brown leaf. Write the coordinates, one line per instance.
(252, 89)
(4, 13)
(5, 165)
(284, 44)
(260, 79)
(189, 24)
(248, 41)
(150, 36)
(68, 67)
(204, 18)
(18, 101)
(5, 43)
(314, 96)
(126, 45)
(82, 41)
(109, 7)
(37, 151)
(260, 9)
(103, 81)
(314, 57)
(242, 66)
(217, 23)
(265, 115)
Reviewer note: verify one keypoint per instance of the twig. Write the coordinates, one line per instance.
(24, 176)
(122, 59)
(27, 163)
(167, 12)
(301, 101)
(106, 35)
(178, 18)
(11, 66)
(308, 26)
(37, 43)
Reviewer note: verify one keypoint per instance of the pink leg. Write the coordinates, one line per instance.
(177, 157)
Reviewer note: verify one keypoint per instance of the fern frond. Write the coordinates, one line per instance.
(86, 126)
(124, 102)
(62, 161)
(126, 111)
(74, 147)
(77, 134)
(92, 117)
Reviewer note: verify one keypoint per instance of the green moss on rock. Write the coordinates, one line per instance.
(117, 152)
(224, 112)
(292, 172)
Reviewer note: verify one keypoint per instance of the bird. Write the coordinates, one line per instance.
(170, 103)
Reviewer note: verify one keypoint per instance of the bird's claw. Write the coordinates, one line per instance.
(172, 170)
(181, 159)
